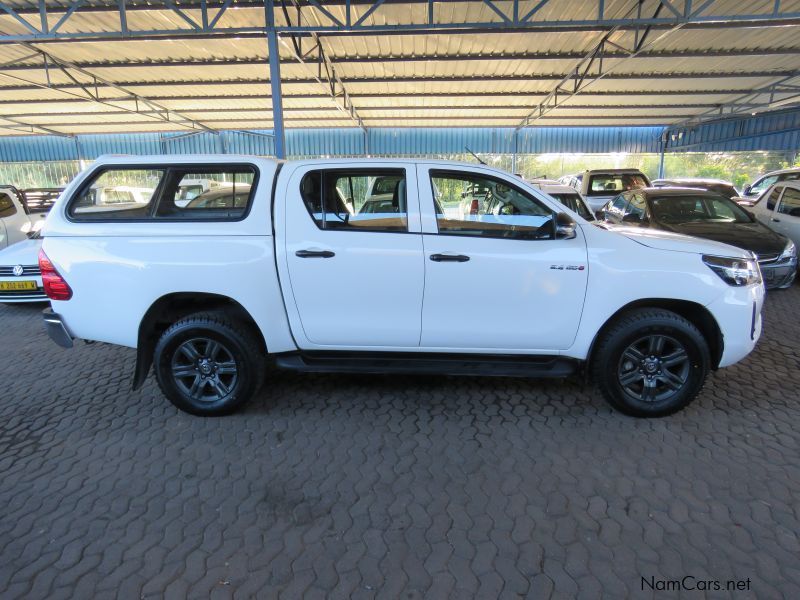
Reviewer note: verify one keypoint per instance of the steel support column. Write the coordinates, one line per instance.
(275, 82)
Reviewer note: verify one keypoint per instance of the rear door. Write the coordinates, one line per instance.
(499, 280)
(355, 267)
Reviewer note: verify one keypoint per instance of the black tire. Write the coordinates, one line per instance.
(641, 386)
(208, 364)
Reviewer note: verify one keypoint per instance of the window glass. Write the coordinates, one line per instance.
(7, 207)
(762, 184)
(614, 209)
(772, 199)
(362, 200)
(217, 194)
(486, 207)
(636, 210)
(790, 203)
(575, 204)
(608, 184)
(687, 209)
(117, 194)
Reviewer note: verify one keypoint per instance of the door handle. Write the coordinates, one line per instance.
(449, 258)
(315, 254)
(776, 220)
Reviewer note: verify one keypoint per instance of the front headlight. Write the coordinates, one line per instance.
(734, 271)
(789, 252)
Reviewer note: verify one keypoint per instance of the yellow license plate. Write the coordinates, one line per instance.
(17, 286)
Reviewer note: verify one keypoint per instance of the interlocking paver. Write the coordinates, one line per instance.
(373, 487)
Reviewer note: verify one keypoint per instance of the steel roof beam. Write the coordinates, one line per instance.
(16, 65)
(511, 118)
(591, 68)
(20, 126)
(323, 109)
(90, 91)
(326, 74)
(596, 94)
(412, 80)
(327, 22)
(783, 92)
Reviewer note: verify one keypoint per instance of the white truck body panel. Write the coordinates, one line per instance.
(381, 291)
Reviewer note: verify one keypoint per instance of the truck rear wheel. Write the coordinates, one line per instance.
(651, 363)
(208, 364)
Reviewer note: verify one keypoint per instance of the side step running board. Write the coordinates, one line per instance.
(507, 365)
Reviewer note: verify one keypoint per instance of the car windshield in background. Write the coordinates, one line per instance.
(688, 209)
(575, 204)
(612, 184)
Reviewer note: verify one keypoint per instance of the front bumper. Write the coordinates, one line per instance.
(56, 329)
(37, 295)
(738, 315)
(779, 275)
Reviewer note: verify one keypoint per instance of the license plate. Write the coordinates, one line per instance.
(17, 286)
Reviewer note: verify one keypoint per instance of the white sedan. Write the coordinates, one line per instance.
(20, 279)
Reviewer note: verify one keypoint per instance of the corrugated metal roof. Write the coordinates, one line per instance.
(489, 79)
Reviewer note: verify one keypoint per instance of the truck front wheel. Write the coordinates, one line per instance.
(207, 364)
(650, 363)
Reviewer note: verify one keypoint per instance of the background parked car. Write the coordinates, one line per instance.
(566, 195)
(779, 209)
(17, 220)
(760, 185)
(710, 216)
(20, 278)
(601, 185)
(724, 188)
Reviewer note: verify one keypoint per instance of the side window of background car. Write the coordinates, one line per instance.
(7, 207)
(772, 199)
(615, 209)
(636, 210)
(763, 184)
(790, 202)
(502, 211)
(357, 200)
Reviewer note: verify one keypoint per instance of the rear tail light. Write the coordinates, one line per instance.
(473, 207)
(54, 285)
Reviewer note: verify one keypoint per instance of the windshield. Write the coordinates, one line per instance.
(611, 184)
(692, 209)
(575, 204)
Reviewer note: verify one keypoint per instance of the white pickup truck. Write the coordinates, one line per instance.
(296, 265)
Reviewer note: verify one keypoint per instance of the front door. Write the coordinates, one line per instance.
(786, 218)
(353, 252)
(497, 279)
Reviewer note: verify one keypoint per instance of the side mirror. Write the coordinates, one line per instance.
(565, 227)
(600, 215)
(747, 189)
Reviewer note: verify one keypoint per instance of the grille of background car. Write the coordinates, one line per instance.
(29, 270)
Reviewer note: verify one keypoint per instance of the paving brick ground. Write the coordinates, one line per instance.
(391, 487)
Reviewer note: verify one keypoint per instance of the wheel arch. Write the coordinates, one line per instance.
(695, 313)
(168, 309)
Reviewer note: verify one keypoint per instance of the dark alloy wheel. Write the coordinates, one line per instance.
(209, 363)
(204, 370)
(650, 362)
(654, 368)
